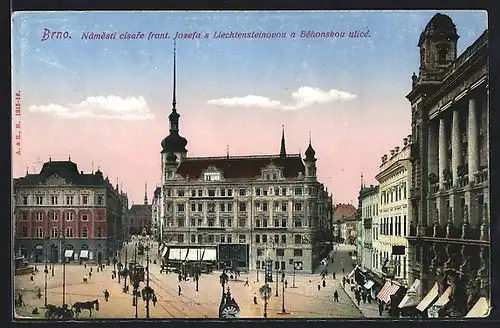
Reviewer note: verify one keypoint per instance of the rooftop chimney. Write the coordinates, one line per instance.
(405, 141)
(396, 149)
(392, 152)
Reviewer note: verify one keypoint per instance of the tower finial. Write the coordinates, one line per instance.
(309, 136)
(69, 157)
(227, 151)
(362, 182)
(50, 158)
(283, 148)
(175, 77)
(92, 167)
(146, 193)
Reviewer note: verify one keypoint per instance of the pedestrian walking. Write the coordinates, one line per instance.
(254, 298)
(246, 282)
(335, 296)
(39, 293)
(154, 300)
(358, 299)
(180, 289)
(324, 283)
(369, 298)
(286, 283)
(32, 277)
(319, 286)
(380, 308)
(180, 277)
(343, 281)
(90, 269)
(334, 275)
(106, 295)
(363, 296)
(343, 270)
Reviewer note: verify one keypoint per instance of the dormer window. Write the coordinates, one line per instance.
(211, 177)
(442, 51)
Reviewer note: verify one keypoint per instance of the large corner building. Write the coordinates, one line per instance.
(249, 209)
(450, 174)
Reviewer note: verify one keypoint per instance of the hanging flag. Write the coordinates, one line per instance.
(305, 240)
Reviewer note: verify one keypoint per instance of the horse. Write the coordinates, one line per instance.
(54, 311)
(79, 306)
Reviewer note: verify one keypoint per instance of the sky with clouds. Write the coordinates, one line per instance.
(106, 101)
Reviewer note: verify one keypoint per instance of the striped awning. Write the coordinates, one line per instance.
(84, 253)
(369, 284)
(164, 252)
(68, 253)
(385, 293)
(411, 297)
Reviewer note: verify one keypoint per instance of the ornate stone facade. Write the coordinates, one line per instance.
(450, 164)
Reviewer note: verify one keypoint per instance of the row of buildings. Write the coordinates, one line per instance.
(249, 209)
(62, 212)
(423, 243)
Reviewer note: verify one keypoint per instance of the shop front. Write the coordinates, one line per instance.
(408, 305)
(431, 296)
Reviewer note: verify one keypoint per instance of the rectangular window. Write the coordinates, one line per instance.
(297, 206)
(283, 223)
(264, 206)
(39, 200)
(257, 191)
(260, 251)
(264, 192)
(242, 223)
(193, 222)
(180, 238)
(200, 207)
(257, 239)
(391, 227)
(200, 193)
(85, 200)
(242, 206)
(276, 206)
(229, 239)
(211, 208)
(404, 225)
(297, 252)
(264, 238)
(25, 200)
(180, 193)
(69, 232)
(264, 223)
(230, 207)
(276, 223)
(211, 222)
(280, 252)
(193, 238)
(85, 217)
(54, 216)
(53, 200)
(242, 239)
(283, 265)
(257, 265)
(298, 191)
(243, 192)
(39, 216)
(276, 265)
(298, 239)
(276, 239)
(222, 238)
(230, 192)
(193, 193)
(257, 223)
(298, 223)
(193, 207)
(223, 192)
(211, 192)
(100, 200)
(180, 222)
(283, 239)
(54, 233)
(283, 206)
(69, 216)
(229, 223)
(180, 207)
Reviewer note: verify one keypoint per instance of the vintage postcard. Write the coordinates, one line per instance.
(250, 165)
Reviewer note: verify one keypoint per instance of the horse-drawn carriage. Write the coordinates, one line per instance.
(65, 312)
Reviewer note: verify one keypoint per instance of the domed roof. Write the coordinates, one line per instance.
(310, 152)
(174, 143)
(439, 25)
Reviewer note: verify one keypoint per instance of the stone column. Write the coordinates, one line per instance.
(443, 153)
(456, 151)
(472, 142)
(432, 149)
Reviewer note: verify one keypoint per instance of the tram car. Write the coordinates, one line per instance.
(140, 249)
(136, 271)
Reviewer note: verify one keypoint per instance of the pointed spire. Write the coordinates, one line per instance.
(146, 193)
(50, 158)
(174, 86)
(70, 157)
(92, 167)
(309, 136)
(362, 182)
(283, 148)
(227, 151)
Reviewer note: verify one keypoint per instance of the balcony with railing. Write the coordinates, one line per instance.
(481, 177)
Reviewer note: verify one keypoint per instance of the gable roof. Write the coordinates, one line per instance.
(343, 212)
(66, 170)
(241, 167)
(139, 210)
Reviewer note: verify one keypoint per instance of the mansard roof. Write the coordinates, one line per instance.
(241, 167)
(66, 170)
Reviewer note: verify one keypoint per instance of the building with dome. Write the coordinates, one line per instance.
(450, 197)
(240, 211)
(61, 212)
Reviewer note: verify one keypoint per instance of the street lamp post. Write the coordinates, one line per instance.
(277, 280)
(147, 282)
(196, 274)
(283, 291)
(257, 270)
(136, 283)
(294, 269)
(46, 271)
(125, 272)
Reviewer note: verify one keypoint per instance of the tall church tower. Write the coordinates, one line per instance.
(310, 162)
(283, 148)
(173, 143)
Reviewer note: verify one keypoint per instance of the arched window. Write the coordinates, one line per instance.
(99, 232)
(54, 233)
(69, 232)
(24, 232)
(84, 232)
(39, 232)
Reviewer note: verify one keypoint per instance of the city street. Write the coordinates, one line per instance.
(304, 301)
